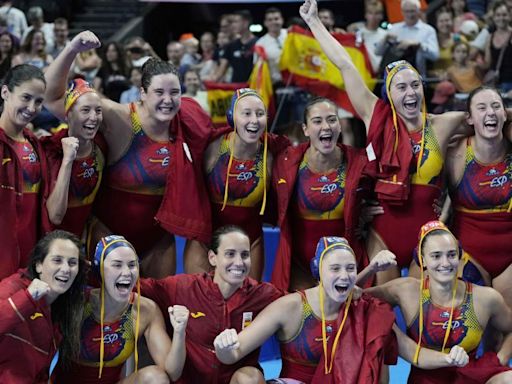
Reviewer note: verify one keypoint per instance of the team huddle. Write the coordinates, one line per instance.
(89, 215)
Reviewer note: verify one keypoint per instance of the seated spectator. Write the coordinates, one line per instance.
(138, 51)
(272, 42)
(460, 13)
(239, 53)
(498, 54)
(16, 20)
(193, 89)
(112, 78)
(133, 93)
(33, 51)
(466, 75)
(7, 51)
(370, 32)
(61, 34)
(446, 39)
(35, 17)
(412, 40)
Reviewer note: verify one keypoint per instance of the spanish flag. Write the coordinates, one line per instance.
(261, 81)
(219, 99)
(305, 61)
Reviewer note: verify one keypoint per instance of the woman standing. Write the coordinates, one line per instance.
(317, 195)
(480, 174)
(76, 158)
(40, 310)
(23, 174)
(153, 185)
(441, 311)
(114, 319)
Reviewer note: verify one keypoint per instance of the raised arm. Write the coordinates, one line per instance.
(381, 262)
(57, 73)
(392, 291)
(428, 358)
(178, 315)
(360, 96)
(230, 347)
(57, 203)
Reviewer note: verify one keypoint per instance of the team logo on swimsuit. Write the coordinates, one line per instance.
(88, 170)
(246, 319)
(164, 151)
(31, 156)
(491, 172)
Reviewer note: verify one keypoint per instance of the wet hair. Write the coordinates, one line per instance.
(219, 232)
(476, 91)
(67, 308)
(18, 75)
(314, 101)
(153, 67)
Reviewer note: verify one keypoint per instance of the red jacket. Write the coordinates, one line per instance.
(11, 198)
(210, 314)
(392, 148)
(185, 207)
(366, 342)
(284, 176)
(75, 218)
(28, 339)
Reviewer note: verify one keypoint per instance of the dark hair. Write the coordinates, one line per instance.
(272, 10)
(313, 102)
(219, 232)
(18, 75)
(61, 21)
(153, 67)
(329, 11)
(244, 14)
(121, 59)
(478, 90)
(67, 308)
(443, 10)
(499, 4)
(26, 47)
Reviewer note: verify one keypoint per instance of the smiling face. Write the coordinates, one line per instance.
(338, 274)
(120, 271)
(487, 115)
(411, 12)
(162, 97)
(273, 22)
(250, 118)
(444, 23)
(501, 17)
(440, 254)
(191, 82)
(59, 268)
(322, 126)
(85, 116)
(38, 42)
(23, 104)
(406, 92)
(5, 43)
(232, 260)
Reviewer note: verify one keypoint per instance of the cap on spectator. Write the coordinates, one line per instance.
(469, 28)
(444, 90)
(188, 36)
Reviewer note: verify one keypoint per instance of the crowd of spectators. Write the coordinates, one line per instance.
(456, 45)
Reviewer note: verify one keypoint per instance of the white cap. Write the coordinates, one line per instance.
(469, 28)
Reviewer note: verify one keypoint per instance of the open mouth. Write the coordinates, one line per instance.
(124, 286)
(26, 115)
(411, 105)
(62, 279)
(445, 271)
(341, 288)
(326, 138)
(237, 272)
(252, 129)
(166, 110)
(491, 123)
(90, 127)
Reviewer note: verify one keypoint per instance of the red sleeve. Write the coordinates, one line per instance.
(162, 292)
(16, 305)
